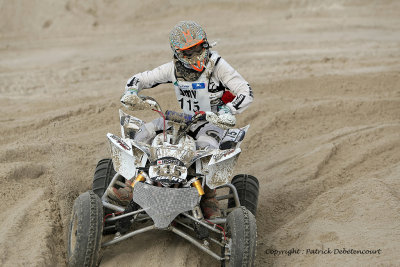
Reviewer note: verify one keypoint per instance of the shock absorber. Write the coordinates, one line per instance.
(197, 185)
(139, 178)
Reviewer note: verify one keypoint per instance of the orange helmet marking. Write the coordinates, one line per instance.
(187, 46)
(188, 36)
(199, 66)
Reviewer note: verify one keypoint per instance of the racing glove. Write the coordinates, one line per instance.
(132, 101)
(224, 119)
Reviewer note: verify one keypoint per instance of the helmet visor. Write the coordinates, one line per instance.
(194, 50)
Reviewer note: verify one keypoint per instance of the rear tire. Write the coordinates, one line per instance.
(247, 187)
(242, 229)
(85, 230)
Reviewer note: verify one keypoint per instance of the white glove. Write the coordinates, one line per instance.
(224, 121)
(132, 101)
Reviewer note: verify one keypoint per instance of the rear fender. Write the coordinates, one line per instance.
(222, 155)
(233, 137)
(244, 129)
(218, 168)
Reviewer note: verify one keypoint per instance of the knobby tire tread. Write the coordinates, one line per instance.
(247, 187)
(102, 176)
(92, 249)
(88, 213)
(243, 230)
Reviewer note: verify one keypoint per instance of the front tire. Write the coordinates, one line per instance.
(242, 229)
(102, 176)
(85, 230)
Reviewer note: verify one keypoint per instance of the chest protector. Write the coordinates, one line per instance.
(194, 96)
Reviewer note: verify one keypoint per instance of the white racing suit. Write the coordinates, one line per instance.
(207, 93)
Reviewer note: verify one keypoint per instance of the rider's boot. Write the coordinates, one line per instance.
(121, 195)
(209, 204)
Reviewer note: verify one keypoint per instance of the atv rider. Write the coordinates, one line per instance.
(205, 85)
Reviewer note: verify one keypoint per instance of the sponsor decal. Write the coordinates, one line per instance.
(239, 99)
(198, 86)
(250, 91)
(167, 179)
(182, 86)
(212, 87)
(172, 161)
(133, 82)
(188, 93)
(120, 142)
(224, 154)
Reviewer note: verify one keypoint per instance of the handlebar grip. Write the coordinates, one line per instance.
(177, 116)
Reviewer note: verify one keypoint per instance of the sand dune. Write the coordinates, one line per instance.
(325, 125)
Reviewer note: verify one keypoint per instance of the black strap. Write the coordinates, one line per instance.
(157, 84)
(209, 79)
(216, 62)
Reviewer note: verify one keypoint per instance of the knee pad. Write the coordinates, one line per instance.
(204, 141)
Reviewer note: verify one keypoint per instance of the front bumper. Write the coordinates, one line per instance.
(163, 204)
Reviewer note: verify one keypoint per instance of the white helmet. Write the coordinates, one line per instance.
(189, 43)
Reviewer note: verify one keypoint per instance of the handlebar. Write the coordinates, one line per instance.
(182, 118)
(155, 103)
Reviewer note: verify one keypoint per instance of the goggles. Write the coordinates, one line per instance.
(194, 50)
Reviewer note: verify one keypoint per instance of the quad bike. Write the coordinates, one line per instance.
(167, 178)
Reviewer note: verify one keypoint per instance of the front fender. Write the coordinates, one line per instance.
(124, 158)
